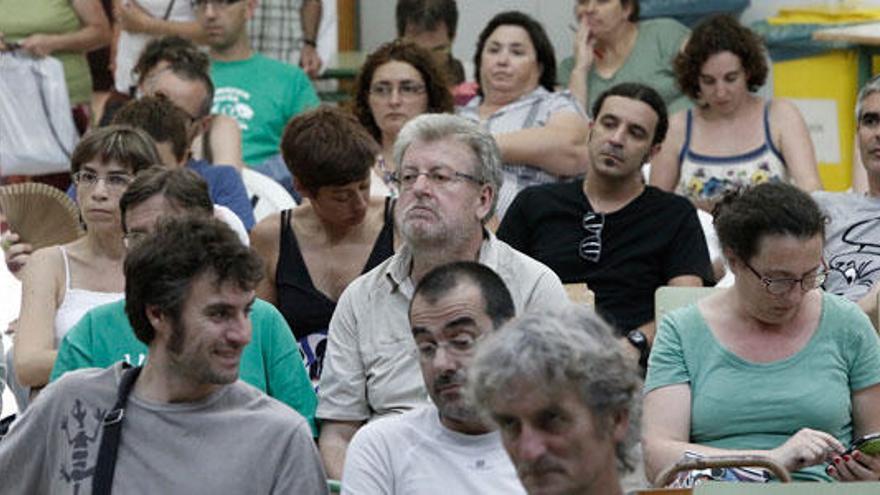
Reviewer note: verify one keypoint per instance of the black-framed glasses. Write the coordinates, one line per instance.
(441, 177)
(218, 4)
(86, 179)
(783, 285)
(590, 247)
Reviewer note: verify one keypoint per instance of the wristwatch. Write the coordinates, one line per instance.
(638, 339)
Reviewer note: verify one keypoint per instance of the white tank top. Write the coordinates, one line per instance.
(77, 302)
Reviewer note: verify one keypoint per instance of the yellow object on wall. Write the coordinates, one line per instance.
(824, 87)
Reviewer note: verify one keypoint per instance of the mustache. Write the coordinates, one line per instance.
(543, 465)
(611, 150)
(450, 378)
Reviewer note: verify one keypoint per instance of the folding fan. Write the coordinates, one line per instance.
(40, 214)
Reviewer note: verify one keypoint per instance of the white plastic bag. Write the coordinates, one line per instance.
(37, 134)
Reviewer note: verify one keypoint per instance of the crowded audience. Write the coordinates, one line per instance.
(496, 276)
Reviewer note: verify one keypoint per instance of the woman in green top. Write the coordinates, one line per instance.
(613, 46)
(66, 29)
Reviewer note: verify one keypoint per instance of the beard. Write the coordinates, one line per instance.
(195, 363)
(457, 409)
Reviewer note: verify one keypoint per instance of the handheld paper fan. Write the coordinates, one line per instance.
(40, 214)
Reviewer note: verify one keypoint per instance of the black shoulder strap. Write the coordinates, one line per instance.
(102, 481)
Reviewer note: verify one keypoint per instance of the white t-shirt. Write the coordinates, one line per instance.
(415, 453)
(130, 45)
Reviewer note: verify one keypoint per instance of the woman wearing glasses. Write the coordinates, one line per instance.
(542, 135)
(61, 283)
(398, 81)
(772, 366)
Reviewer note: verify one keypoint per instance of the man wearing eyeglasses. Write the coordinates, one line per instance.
(445, 447)
(448, 174)
(852, 236)
(262, 94)
(622, 238)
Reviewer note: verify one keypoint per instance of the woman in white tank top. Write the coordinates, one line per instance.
(732, 137)
(61, 283)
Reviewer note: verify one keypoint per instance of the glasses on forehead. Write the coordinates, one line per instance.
(590, 247)
(783, 285)
(86, 179)
(406, 89)
(441, 177)
(217, 4)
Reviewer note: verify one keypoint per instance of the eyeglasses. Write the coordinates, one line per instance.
(217, 4)
(115, 182)
(590, 247)
(405, 89)
(440, 177)
(132, 239)
(462, 345)
(780, 286)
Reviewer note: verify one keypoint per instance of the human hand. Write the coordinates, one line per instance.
(856, 466)
(131, 17)
(310, 61)
(806, 448)
(15, 252)
(38, 45)
(584, 46)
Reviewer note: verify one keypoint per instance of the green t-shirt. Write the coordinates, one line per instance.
(270, 362)
(650, 63)
(21, 18)
(737, 404)
(261, 94)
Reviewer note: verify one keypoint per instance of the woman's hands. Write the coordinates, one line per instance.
(856, 466)
(584, 46)
(806, 448)
(15, 252)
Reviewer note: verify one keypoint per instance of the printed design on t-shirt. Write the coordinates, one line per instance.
(860, 265)
(704, 184)
(234, 102)
(312, 347)
(80, 439)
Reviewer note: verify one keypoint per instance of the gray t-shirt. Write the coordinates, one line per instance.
(237, 440)
(852, 242)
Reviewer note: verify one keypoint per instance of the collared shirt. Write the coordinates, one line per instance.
(276, 30)
(531, 110)
(371, 366)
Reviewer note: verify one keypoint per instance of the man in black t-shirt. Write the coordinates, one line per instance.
(622, 238)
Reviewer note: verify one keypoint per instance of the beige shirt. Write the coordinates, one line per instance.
(371, 366)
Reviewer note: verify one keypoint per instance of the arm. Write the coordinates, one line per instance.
(310, 19)
(94, 32)
(559, 147)
(333, 442)
(132, 18)
(35, 350)
(584, 45)
(265, 237)
(666, 433)
(224, 141)
(665, 164)
(862, 467)
(795, 145)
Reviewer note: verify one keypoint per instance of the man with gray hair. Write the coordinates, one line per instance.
(563, 396)
(852, 235)
(449, 172)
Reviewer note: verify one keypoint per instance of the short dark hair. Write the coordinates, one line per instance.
(634, 14)
(743, 218)
(327, 147)
(181, 187)
(446, 278)
(426, 15)
(171, 49)
(645, 94)
(128, 146)
(160, 270)
(543, 48)
(720, 33)
(163, 121)
(436, 84)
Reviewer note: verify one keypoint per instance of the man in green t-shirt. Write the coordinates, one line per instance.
(270, 362)
(260, 93)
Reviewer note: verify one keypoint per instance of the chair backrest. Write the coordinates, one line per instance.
(266, 195)
(667, 298)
